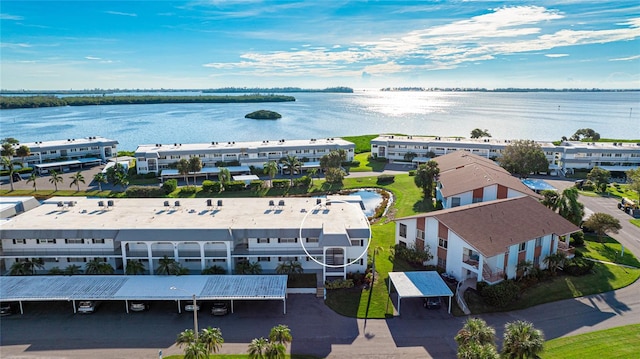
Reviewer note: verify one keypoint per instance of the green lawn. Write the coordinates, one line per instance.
(367, 165)
(609, 250)
(615, 343)
(363, 142)
(605, 277)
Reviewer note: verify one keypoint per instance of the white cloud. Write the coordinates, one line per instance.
(636, 57)
(556, 55)
(121, 13)
(92, 58)
(11, 17)
(13, 45)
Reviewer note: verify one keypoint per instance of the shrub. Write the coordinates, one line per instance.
(339, 284)
(385, 179)
(144, 192)
(502, 294)
(282, 184)
(256, 185)
(188, 190)
(588, 186)
(302, 182)
(354, 163)
(234, 186)
(577, 239)
(412, 173)
(170, 185)
(413, 255)
(578, 266)
(207, 186)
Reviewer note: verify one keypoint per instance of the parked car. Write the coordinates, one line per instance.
(219, 308)
(191, 307)
(87, 306)
(138, 306)
(432, 303)
(6, 309)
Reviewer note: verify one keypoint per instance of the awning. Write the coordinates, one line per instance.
(419, 285)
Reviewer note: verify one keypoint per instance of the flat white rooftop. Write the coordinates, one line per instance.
(249, 145)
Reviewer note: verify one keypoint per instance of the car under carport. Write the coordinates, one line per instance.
(421, 284)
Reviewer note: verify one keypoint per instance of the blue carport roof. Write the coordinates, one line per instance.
(419, 284)
(537, 184)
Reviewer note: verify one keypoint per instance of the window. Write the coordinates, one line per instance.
(443, 243)
(98, 241)
(192, 260)
(442, 262)
(71, 260)
(403, 230)
(420, 234)
(287, 240)
(312, 240)
(263, 240)
(356, 242)
(287, 259)
(455, 202)
(264, 259)
(74, 240)
(538, 241)
(402, 244)
(46, 241)
(356, 262)
(19, 241)
(476, 200)
(522, 247)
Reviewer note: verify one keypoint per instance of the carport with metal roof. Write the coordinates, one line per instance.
(143, 287)
(419, 285)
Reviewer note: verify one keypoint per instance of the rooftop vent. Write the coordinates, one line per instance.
(219, 203)
(110, 203)
(100, 203)
(209, 203)
(177, 204)
(166, 204)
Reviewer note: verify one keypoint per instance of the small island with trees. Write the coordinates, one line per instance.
(263, 115)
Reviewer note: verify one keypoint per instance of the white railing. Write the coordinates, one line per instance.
(460, 300)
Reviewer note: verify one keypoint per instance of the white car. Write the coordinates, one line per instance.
(138, 306)
(219, 308)
(191, 308)
(87, 306)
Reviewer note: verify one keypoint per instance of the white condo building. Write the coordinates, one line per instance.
(564, 158)
(155, 157)
(69, 149)
(197, 233)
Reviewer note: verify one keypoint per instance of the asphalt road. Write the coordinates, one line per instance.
(51, 330)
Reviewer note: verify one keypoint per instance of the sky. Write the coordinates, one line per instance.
(63, 45)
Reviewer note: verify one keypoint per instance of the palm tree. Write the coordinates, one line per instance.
(522, 341)
(569, 207)
(196, 351)
(55, 179)
(212, 339)
(290, 268)
(255, 268)
(195, 165)
(478, 351)
(100, 178)
(8, 150)
(246, 267)
(257, 348)
(76, 179)
(97, 266)
(275, 351)
(475, 331)
(555, 261)
(134, 267)
(72, 269)
(224, 176)
(312, 172)
(524, 267)
(167, 266)
(183, 169)
(8, 165)
(19, 268)
(280, 334)
(292, 164)
(56, 271)
(186, 337)
(22, 152)
(270, 169)
(214, 269)
(33, 179)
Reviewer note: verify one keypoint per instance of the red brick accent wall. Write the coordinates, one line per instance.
(421, 223)
(443, 231)
(478, 193)
(442, 253)
(502, 192)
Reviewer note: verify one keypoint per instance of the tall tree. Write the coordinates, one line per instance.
(523, 157)
(212, 339)
(183, 169)
(168, 266)
(270, 169)
(257, 348)
(195, 166)
(586, 134)
(196, 351)
(550, 199)
(409, 156)
(55, 178)
(425, 177)
(22, 152)
(100, 178)
(134, 267)
(477, 133)
(602, 223)
(7, 164)
(600, 177)
(311, 173)
(33, 178)
(522, 341)
(76, 179)
(569, 207)
(292, 164)
(475, 332)
(334, 159)
(186, 337)
(280, 334)
(8, 149)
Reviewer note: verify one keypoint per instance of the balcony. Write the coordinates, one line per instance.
(569, 251)
(492, 276)
(472, 259)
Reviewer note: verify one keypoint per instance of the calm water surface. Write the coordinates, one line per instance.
(535, 115)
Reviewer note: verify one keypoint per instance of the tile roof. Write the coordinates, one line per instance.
(491, 227)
